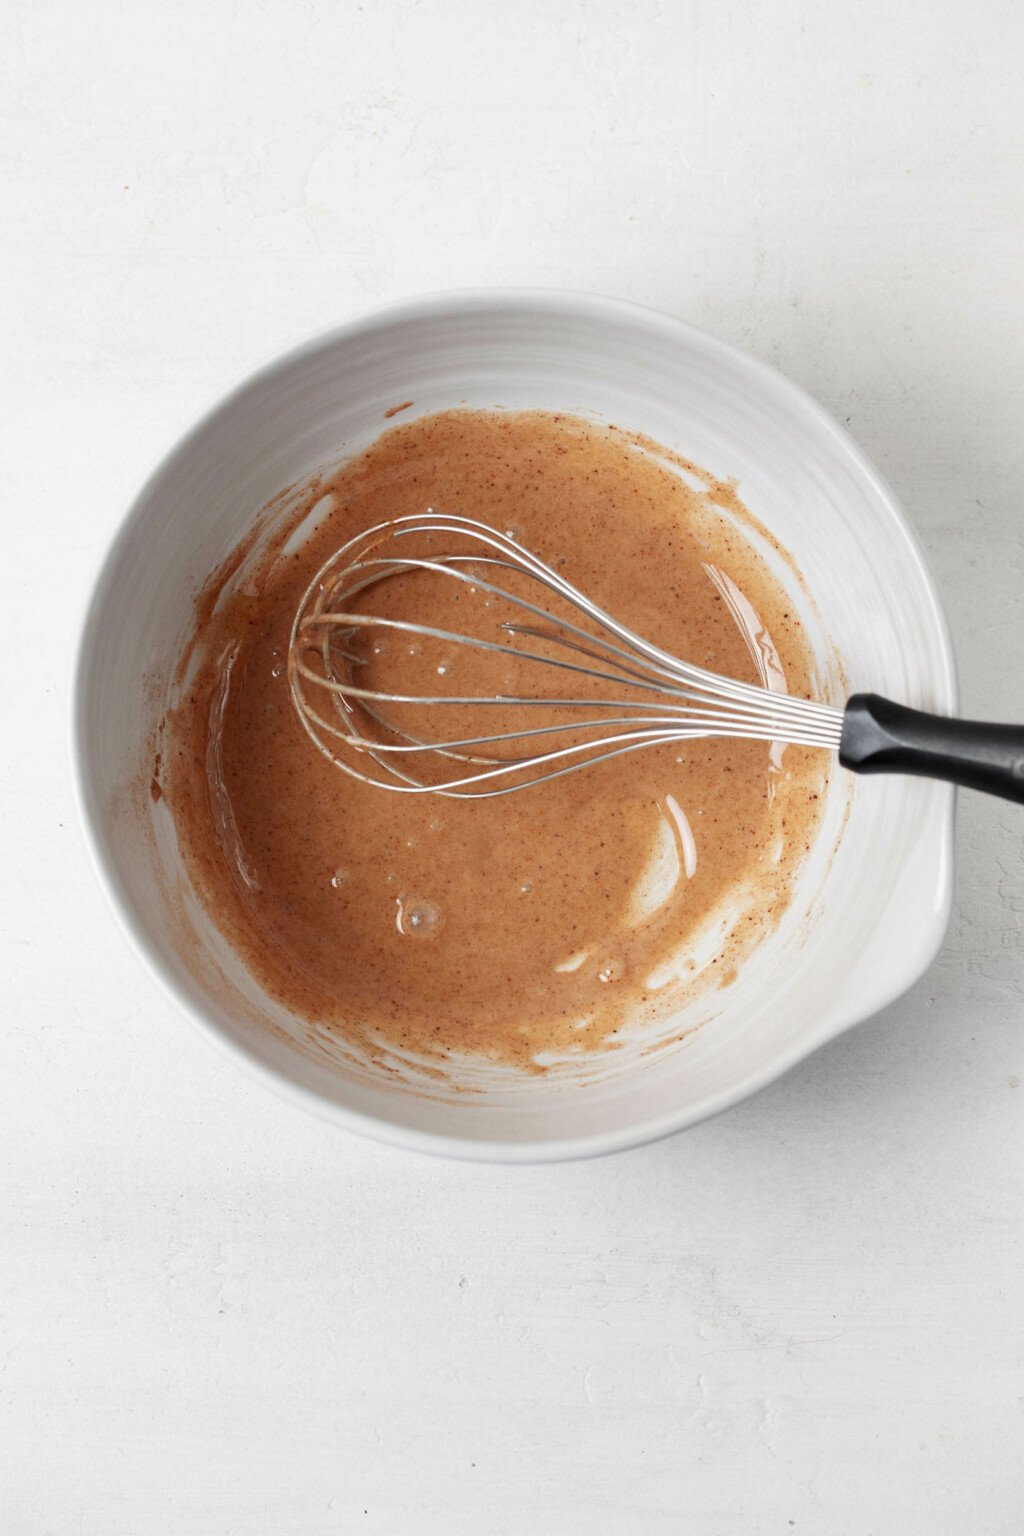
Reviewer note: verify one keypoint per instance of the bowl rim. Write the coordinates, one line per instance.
(456, 303)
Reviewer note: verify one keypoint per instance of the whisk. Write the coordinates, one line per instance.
(656, 698)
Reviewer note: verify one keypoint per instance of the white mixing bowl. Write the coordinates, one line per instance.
(872, 907)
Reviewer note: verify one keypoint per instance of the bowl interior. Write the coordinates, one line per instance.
(873, 902)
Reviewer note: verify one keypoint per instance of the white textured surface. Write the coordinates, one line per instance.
(219, 1317)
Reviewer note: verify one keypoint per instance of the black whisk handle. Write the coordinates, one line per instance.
(882, 737)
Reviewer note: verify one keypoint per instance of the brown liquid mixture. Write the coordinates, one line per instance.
(544, 922)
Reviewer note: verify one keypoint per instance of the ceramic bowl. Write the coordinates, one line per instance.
(873, 904)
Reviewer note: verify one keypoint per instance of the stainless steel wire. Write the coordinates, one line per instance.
(657, 697)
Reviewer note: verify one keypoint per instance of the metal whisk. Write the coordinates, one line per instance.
(657, 698)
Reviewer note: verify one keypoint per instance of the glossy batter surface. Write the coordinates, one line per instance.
(525, 927)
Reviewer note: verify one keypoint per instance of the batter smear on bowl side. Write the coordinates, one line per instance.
(543, 923)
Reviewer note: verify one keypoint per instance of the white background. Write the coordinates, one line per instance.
(219, 1318)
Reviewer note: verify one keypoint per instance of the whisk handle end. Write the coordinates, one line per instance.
(882, 737)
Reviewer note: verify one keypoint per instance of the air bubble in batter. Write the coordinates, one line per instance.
(612, 970)
(418, 918)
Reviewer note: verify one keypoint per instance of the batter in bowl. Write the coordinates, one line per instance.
(543, 923)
